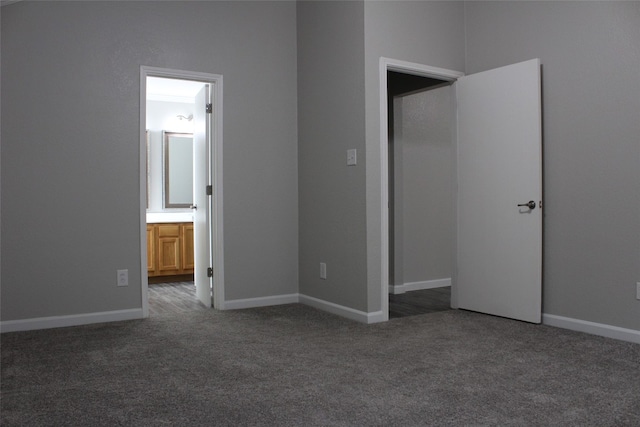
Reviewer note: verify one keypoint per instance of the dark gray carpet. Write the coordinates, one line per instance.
(296, 366)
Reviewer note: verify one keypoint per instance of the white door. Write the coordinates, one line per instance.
(201, 201)
(499, 243)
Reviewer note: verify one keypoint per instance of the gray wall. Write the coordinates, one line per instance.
(70, 148)
(334, 207)
(423, 186)
(69, 128)
(590, 53)
(331, 121)
(430, 33)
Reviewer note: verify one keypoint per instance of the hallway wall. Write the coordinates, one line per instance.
(423, 197)
(430, 33)
(331, 121)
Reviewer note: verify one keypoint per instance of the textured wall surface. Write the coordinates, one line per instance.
(331, 121)
(301, 86)
(70, 145)
(424, 193)
(429, 33)
(590, 53)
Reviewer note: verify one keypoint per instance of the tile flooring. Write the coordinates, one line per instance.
(168, 298)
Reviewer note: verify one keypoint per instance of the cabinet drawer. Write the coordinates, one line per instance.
(169, 230)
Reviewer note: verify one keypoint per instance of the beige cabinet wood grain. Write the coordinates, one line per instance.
(169, 249)
(151, 250)
(187, 247)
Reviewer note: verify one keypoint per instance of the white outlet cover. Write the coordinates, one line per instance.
(352, 157)
(123, 278)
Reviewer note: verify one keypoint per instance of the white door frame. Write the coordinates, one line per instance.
(216, 151)
(388, 64)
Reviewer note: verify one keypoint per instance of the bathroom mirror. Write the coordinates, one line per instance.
(178, 170)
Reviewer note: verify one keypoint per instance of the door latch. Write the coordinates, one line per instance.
(530, 205)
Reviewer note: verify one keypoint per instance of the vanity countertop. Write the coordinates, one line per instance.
(157, 217)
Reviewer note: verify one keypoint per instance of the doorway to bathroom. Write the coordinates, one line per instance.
(181, 189)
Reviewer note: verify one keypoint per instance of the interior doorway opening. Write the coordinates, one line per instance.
(170, 127)
(495, 111)
(181, 185)
(420, 183)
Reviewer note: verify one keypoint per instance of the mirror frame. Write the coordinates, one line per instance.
(166, 170)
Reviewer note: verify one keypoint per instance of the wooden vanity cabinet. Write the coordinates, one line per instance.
(169, 249)
(188, 262)
(151, 249)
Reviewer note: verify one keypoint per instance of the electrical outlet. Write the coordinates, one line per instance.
(352, 157)
(323, 270)
(123, 277)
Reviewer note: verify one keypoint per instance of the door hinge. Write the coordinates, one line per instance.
(209, 190)
(209, 108)
(209, 272)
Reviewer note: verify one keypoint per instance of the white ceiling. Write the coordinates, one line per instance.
(161, 89)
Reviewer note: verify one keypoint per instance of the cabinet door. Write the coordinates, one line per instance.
(169, 249)
(168, 255)
(187, 248)
(151, 250)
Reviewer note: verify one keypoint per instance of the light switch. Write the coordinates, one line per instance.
(351, 157)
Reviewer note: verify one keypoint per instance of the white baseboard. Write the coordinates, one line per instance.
(377, 317)
(72, 320)
(349, 313)
(416, 286)
(260, 302)
(601, 329)
(340, 310)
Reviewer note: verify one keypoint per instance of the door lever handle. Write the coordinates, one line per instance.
(530, 205)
